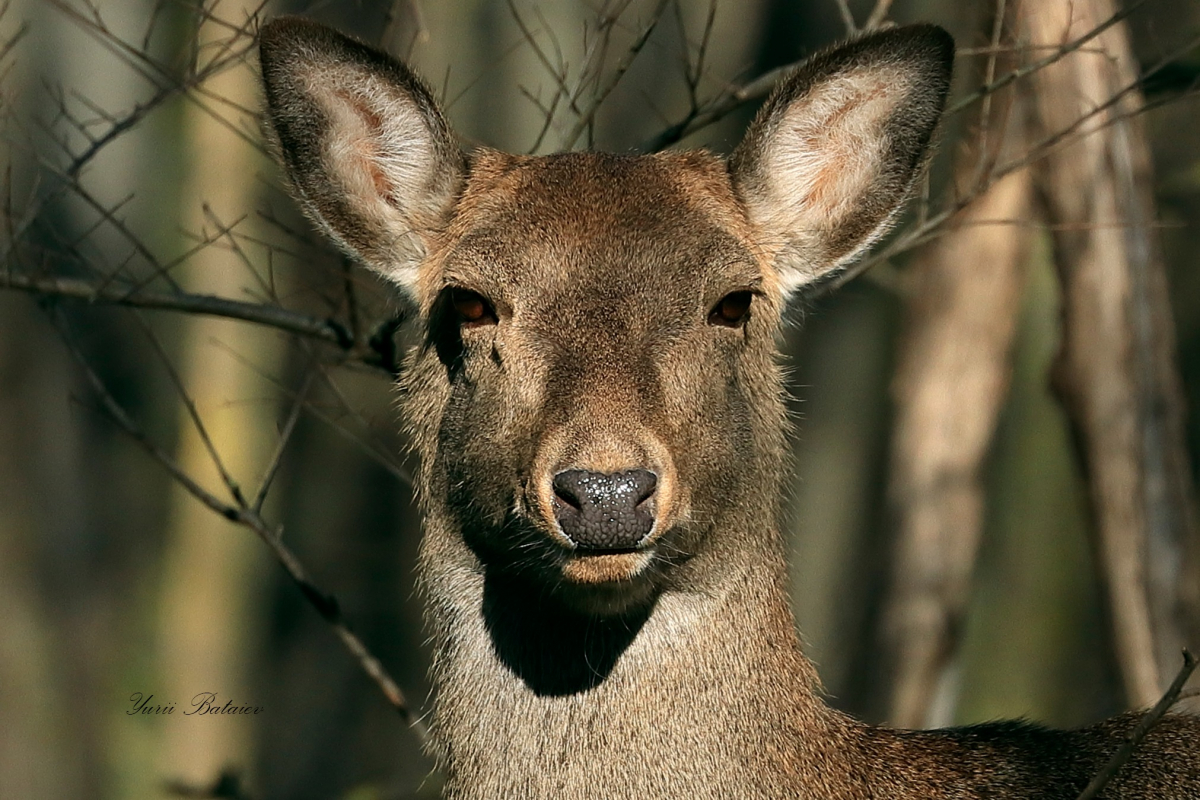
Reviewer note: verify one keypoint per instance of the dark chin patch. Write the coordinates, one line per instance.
(609, 599)
(555, 648)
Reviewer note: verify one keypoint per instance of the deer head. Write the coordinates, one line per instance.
(595, 397)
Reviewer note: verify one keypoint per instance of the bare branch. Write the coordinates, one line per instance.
(14, 39)
(1144, 726)
(162, 77)
(847, 18)
(763, 84)
(547, 114)
(557, 73)
(285, 436)
(588, 116)
(693, 73)
(327, 330)
(235, 491)
(985, 159)
(878, 14)
(367, 446)
(719, 109)
(242, 514)
(1041, 64)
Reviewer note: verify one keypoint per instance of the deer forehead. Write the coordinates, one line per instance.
(601, 232)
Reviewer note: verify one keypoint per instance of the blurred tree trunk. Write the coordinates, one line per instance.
(1116, 372)
(843, 360)
(209, 617)
(952, 377)
(69, 592)
(42, 754)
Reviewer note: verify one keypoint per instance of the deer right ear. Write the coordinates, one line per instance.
(365, 147)
(830, 159)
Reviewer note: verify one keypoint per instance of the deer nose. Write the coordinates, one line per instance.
(605, 512)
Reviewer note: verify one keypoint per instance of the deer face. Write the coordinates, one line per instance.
(602, 323)
(594, 399)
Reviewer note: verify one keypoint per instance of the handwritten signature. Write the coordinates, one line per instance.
(202, 704)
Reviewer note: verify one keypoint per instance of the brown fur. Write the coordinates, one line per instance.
(673, 670)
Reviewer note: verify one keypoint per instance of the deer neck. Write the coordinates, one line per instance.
(533, 699)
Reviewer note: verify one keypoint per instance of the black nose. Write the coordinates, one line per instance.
(605, 512)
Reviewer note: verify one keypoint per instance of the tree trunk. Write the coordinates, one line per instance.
(208, 614)
(951, 381)
(1116, 373)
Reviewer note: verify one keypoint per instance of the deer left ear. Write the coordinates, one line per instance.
(367, 151)
(830, 159)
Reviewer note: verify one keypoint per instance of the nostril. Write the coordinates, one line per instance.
(566, 487)
(644, 483)
(605, 511)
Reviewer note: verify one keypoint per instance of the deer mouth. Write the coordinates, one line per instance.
(606, 567)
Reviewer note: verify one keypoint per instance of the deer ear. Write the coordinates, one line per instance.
(367, 151)
(828, 162)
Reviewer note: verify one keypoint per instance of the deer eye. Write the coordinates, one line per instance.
(473, 308)
(732, 310)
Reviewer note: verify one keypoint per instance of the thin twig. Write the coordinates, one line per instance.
(12, 40)
(588, 117)
(878, 14)
(368, 446)
(285, 436)
(558, 75)
(847, 18)
(693, 73)
(235, 490)
(984, 161)
(1144, 726)
(547, 117)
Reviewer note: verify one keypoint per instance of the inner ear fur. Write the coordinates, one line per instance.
(834, 152)
(364, 145)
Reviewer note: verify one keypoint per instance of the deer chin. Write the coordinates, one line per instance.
(594, 569)
(607, 584)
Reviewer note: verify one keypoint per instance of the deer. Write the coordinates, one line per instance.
(596, 401)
